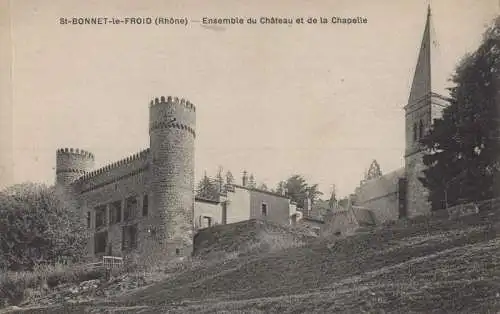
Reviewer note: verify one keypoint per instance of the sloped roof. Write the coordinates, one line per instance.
(376, 188)
(363, 216)
(429, 76)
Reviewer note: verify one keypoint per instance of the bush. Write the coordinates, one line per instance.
(73, 275)
(15, 286)
(38, 225)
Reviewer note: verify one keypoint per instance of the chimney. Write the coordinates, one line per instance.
(244, 179)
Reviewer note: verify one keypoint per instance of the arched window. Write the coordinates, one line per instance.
(421, 130)
(414, 131)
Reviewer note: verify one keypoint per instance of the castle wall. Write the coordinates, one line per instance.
(278, 208)
(238, 207)
(113, 173)
(70, 165)
(121, 189)
(202, 209)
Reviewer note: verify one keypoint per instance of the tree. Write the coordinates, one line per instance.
(207, 188)
(220, 179)
(298, 190)
(463, 145)
(229, 178)
(251, 181)
(37, 225)
(332, 202)
(374, 171)
(281, 188)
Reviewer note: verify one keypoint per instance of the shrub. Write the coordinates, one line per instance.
(38, 225)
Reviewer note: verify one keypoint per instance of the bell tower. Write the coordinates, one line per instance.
(425, 103)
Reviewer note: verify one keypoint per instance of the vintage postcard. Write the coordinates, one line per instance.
(249, 156)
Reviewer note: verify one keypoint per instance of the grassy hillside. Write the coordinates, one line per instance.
(422, 265)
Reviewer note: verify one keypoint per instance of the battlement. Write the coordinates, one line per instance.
(142, 155)
(175, 101)
(75, 151)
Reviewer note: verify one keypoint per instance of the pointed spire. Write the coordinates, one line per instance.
(428, 77)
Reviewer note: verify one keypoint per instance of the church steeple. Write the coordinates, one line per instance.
(427, 93)
(428, 77)
(425, 103)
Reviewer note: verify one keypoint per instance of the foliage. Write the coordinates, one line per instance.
(207, 188)
(229, 178)
(332, 202)
(38, 225)
(280, 188)
(251, 181)
(14, 286)
(299, 190)
(462, 148)
(374, 171)
(220, 179)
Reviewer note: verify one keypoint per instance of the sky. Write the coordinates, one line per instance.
(319, 100)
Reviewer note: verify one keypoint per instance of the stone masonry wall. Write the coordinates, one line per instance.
(70, 165)
(384, 208)
(278, 208)
(135, 186)
(238, 206)
(417, 194)
(172, 135)
(207, 209)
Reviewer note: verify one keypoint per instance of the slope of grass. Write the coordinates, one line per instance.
(417, 266)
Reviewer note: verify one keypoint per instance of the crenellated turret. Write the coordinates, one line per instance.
(172, 134)
(71, 164)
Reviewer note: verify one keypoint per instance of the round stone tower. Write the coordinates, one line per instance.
(172, 134)
(70, 165)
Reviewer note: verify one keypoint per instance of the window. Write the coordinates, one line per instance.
(89, 215)
(177, 251)
(100, 242)
(264, 209)
(145, 205)
(129, 212)
(129, 237)
(421, 129)
(115, 212)
(100, 216)
(415, 131)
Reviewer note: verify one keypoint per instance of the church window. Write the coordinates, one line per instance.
(414, 131)
(421, 129)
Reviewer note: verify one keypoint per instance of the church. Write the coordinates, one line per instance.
(400, 193)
